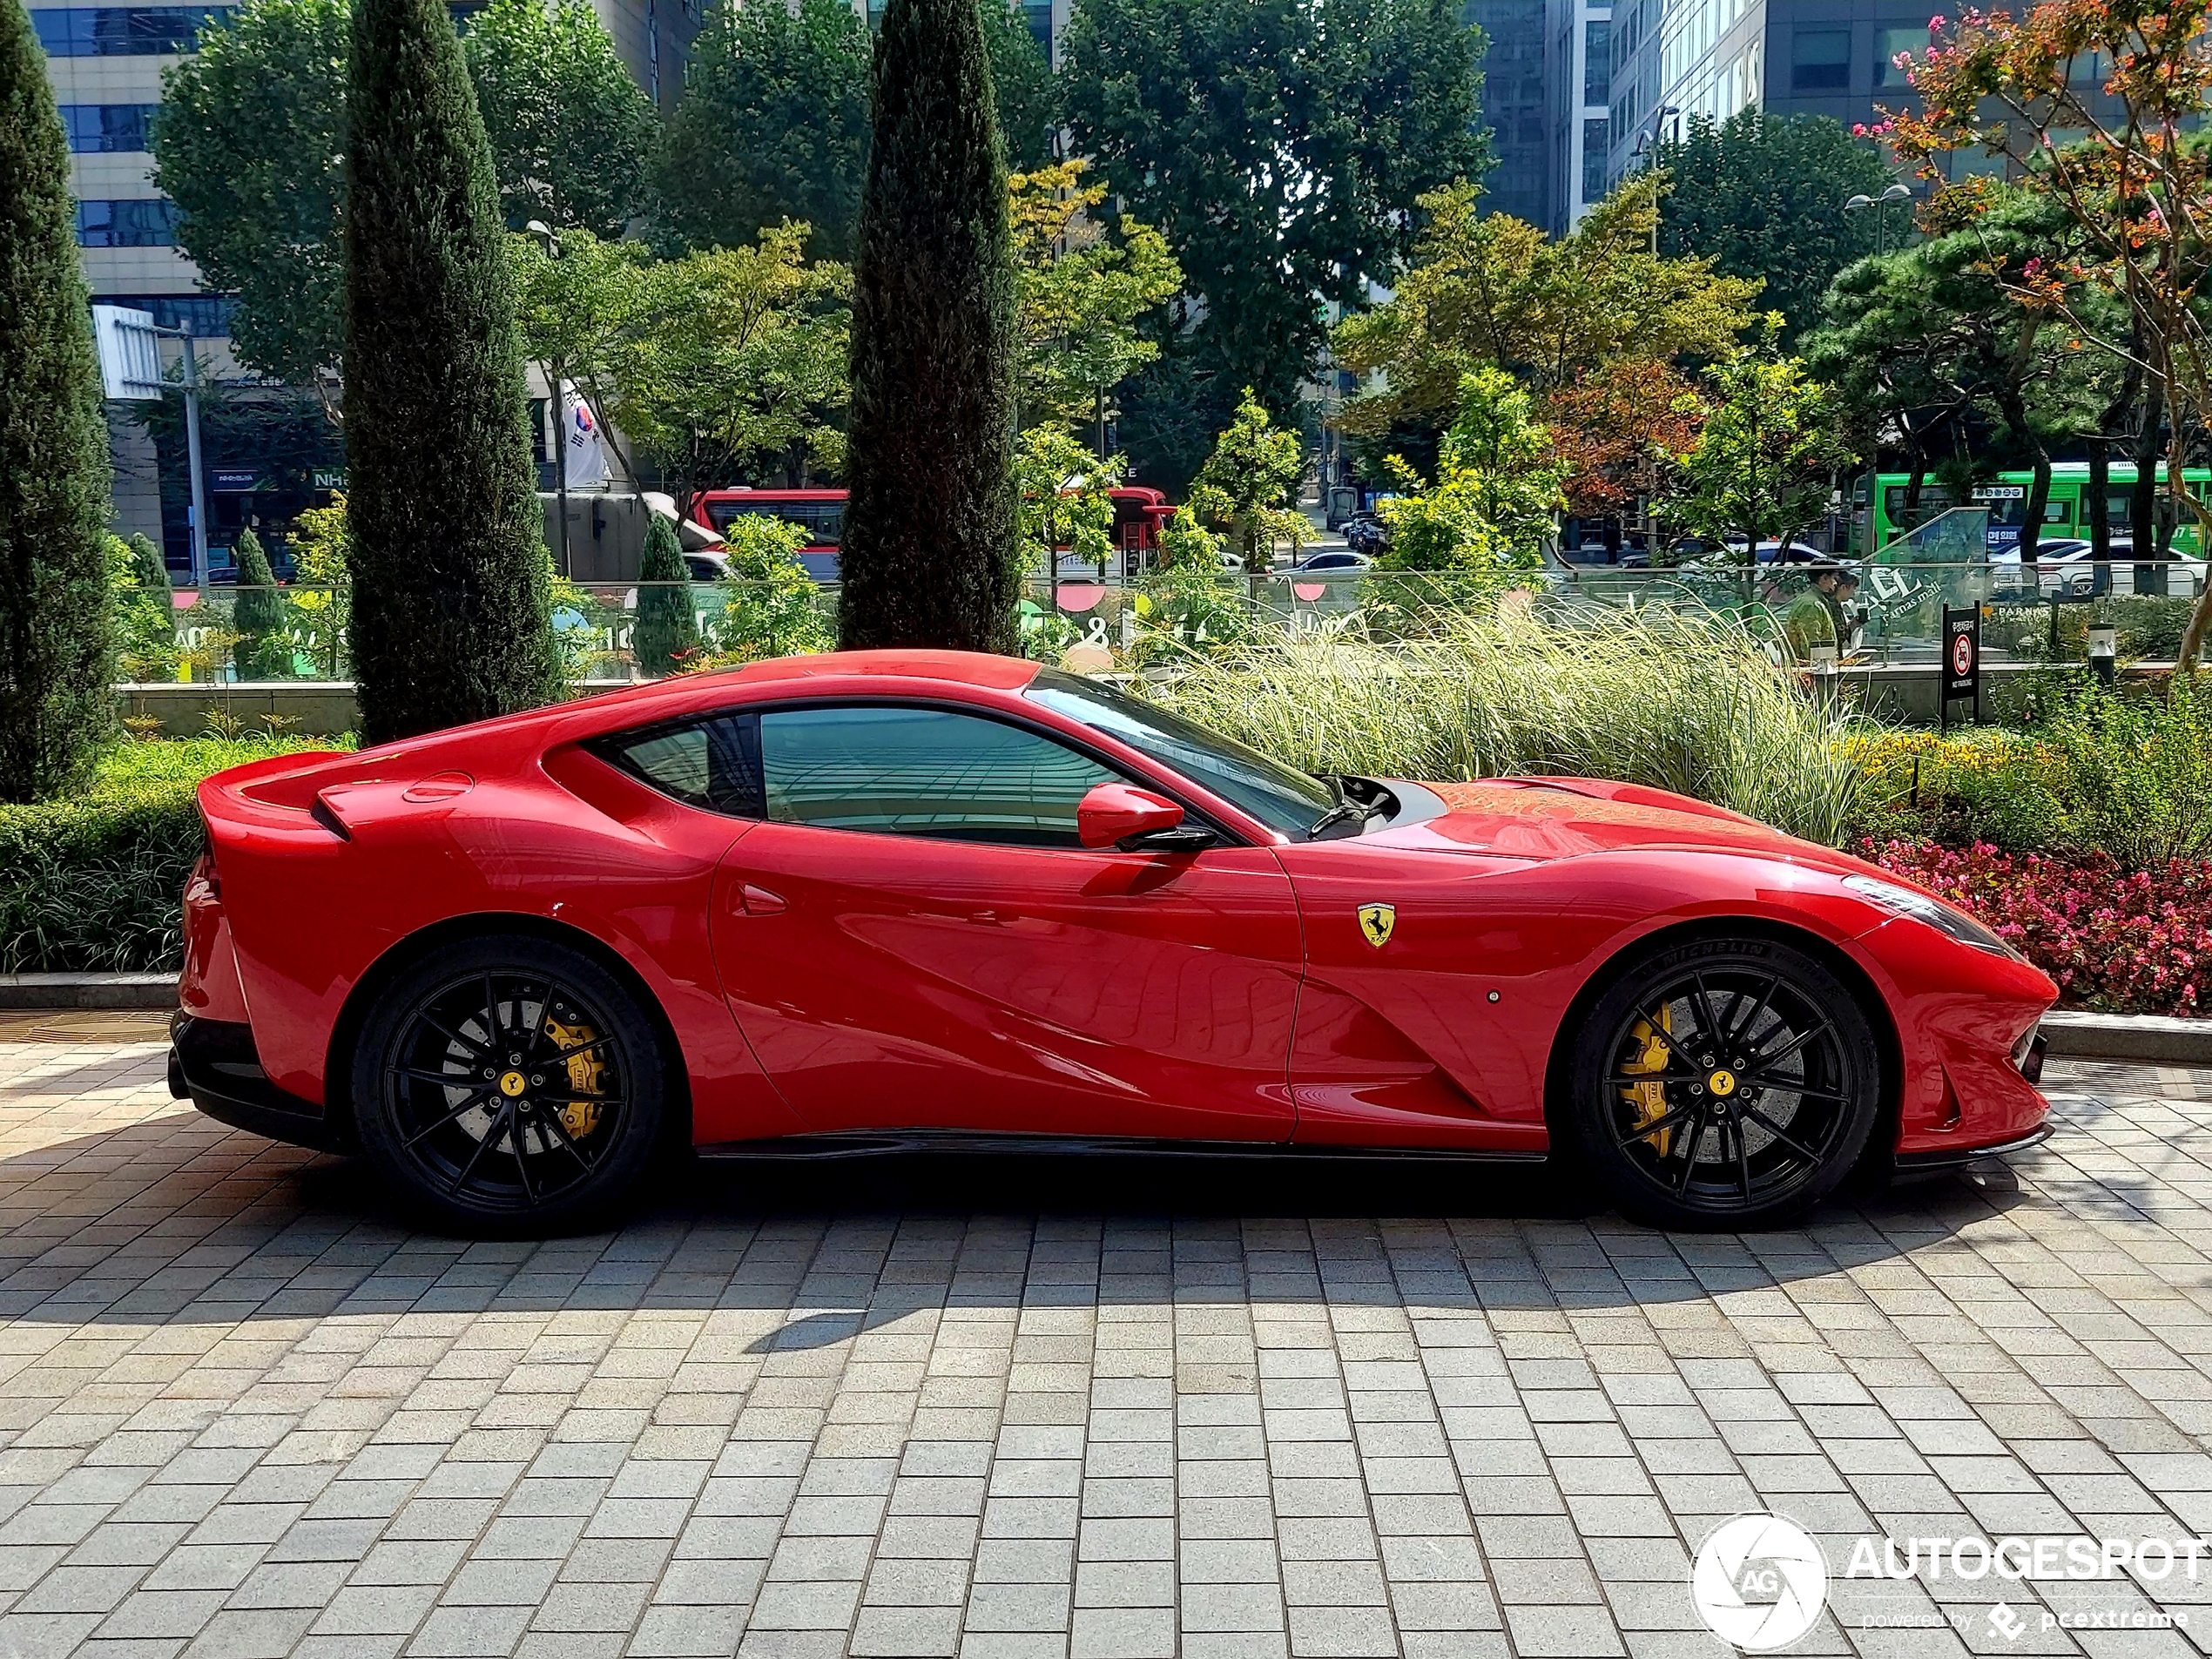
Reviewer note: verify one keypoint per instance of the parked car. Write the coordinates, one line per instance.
(1332, 561)
(1366, 533)
(873, 901)
(2069, 568)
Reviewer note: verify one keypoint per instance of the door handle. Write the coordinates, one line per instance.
(758, 901)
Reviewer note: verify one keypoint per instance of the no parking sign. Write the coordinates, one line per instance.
(1961, 658)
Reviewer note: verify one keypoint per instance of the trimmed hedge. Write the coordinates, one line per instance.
(90, 883)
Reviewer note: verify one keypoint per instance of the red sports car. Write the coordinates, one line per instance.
(882, 900)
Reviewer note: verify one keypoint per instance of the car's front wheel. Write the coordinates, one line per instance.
(1724, 1084)
(509, 1085)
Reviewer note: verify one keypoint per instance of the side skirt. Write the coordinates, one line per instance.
(894, 1142)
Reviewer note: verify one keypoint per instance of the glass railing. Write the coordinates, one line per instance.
(615, 633)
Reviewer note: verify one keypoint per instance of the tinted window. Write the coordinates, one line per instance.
(713, 763)
(1281, 798)
(823, 520)
(1820, 60)
(923, 771)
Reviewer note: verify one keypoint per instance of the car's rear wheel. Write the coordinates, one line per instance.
(1724, 1084)
(509, 1085)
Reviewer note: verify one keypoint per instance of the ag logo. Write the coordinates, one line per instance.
(1376, 922)
(1758, 1582)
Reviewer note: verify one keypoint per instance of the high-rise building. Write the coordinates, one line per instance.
(1516, 105)
(105, 65)
(1674, 59)
(1579, 74)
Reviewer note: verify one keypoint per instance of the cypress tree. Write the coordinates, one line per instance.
(264, 652)
(448, 555)
(150, 567)
(931, 536)
(666, 627)
(56, 629)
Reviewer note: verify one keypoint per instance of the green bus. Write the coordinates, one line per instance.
(2065, 515)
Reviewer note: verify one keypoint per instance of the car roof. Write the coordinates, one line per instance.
(961, 667)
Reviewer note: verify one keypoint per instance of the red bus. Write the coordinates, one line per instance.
(1138, 514)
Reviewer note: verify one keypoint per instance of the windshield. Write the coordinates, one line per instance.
(1279, 798)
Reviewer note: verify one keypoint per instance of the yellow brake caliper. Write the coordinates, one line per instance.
(579, 1117)
(1648, 1100)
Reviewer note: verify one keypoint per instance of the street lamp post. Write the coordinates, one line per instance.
(544, 233)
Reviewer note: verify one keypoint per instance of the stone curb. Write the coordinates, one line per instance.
(21, 993)
(2088, 1037)
(2129, 1036)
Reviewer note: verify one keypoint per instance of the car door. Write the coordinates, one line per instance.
(912, 937)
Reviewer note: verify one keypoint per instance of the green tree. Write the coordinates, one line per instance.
(1066, 500)
(770, 607)
(933, 350)
(250, 142)
(1932, 353)
(1765, 459)
(773, 125)
(1494, 289)
(570, 126)
(1280, 146)
(1083, 288)
(148, 569)
(1762, 196)
(264, 648)
(667, 631)
(56, 631)
(1186, 545)
(1495, 495)
(1028, 95)
(725, 364)
(1247, 485)
(450, 620)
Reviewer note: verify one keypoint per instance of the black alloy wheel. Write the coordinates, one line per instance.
(1725, 1084)
(509, 1085)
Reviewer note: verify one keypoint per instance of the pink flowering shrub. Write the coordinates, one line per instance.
(2121, 941)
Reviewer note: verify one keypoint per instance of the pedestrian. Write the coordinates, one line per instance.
(1812, 616)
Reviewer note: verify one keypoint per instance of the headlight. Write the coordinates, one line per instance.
(1911, 901)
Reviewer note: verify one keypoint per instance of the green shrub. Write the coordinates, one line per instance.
(1681, 702)
(2129, 774)
(89, 882)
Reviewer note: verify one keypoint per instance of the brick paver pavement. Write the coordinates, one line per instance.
(1085, 1408)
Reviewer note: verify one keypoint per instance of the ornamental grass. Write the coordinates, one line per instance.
(1688, 703)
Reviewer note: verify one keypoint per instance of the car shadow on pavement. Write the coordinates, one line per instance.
(174, 1218)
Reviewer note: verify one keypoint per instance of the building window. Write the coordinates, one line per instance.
(124, 31)
(1597, 60)
(97, 128)
(1820, 61)
(207, 315)
(1039, 16)
(1888, 43)
(144, 222)
(1597, 136)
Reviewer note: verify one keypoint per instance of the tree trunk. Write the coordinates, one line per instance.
(2098, 504)
(2039, 497)
(2142, 500)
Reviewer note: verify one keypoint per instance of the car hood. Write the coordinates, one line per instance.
(1561, 818)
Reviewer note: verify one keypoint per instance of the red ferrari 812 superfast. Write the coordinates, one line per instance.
(885, 899)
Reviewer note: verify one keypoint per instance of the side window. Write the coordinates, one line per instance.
(713, 763)
(923, 771)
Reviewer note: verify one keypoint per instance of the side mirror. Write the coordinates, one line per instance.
(1111, 814)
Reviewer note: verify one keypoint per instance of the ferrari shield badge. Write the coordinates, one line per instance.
(1376, 922)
